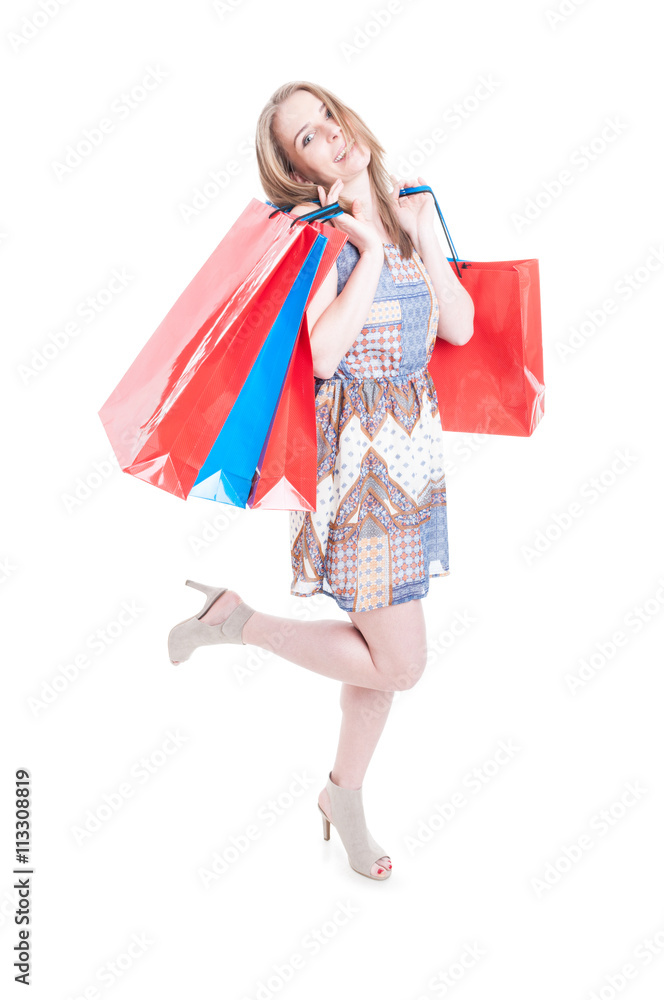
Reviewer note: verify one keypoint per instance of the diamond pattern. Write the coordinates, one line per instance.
(379, 531)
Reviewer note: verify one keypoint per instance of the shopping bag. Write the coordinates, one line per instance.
(234, 466)
(228, 470)
(166, 413)
(241, 285)
(286, 471)
(493, 384)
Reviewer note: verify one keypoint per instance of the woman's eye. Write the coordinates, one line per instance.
(304, 141)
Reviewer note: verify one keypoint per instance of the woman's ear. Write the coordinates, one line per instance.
(298, 178)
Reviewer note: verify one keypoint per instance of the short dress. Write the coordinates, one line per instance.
(379, 531)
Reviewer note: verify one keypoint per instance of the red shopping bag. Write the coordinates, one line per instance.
(227, 472)
(494, 384)
(287, 470)
(166, 412)
(286, 474)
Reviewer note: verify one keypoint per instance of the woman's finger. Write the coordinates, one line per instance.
(333, 193)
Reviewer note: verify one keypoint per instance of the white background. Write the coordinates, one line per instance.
(481, 878)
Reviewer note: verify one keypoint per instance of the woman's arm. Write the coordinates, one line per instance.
(340, 322)
(456, 308)
(336, 320)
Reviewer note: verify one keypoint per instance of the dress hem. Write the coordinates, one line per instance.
(346, 604)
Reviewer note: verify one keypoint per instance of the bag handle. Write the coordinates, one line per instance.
(425, 187)
(321, 214)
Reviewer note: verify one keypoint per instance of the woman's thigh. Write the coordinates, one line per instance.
(396, 636)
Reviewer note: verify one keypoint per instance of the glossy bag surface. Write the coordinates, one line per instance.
(228, 470)
(286, 474)
(169, 409)
(287, 466)
(494, 384)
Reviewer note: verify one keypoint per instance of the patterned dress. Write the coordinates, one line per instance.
(379, 531)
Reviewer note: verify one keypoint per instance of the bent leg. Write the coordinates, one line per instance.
(383, 649)
(396, 636)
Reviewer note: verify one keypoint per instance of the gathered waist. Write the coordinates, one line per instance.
(402, 376)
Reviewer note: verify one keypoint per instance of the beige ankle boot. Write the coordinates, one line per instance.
(184, 638)
(348, 817)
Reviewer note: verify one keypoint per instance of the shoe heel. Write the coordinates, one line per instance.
(185, 637)
(212, 593)
(205, 588)
(326, 825)
(361, 848)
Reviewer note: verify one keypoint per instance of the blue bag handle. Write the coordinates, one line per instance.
(425, 187)
(320, 212)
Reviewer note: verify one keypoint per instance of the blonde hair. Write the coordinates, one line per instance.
(274, 166)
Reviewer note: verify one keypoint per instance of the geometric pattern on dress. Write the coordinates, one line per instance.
(341, 570)
(374, 569)
(378, 494)
(306, 550)
(407, 557)
(327, 404)
(384, 311)
(435, 311)
(379, 530)
(372, 402)
(416, 313)
(401, 270)
(377, 349)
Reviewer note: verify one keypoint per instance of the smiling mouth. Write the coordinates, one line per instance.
(345, 152)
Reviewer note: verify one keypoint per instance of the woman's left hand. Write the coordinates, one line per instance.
(416, 212)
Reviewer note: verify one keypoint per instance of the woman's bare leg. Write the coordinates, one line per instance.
(383, 649)
(374, 654)
(365, 711)
(364, 714)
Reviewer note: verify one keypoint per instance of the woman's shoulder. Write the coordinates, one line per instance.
(302, 209)
(306, 206)
(348, 255)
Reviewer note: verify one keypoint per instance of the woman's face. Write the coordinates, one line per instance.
(312, 139)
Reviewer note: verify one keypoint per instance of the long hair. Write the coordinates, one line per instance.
(274, 165)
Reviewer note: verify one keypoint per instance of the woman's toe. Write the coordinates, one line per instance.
(381, 868)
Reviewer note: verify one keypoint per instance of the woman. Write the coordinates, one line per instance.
(379, 531)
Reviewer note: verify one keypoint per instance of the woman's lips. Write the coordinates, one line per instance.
(347, 151)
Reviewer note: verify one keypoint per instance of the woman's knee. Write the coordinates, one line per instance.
(403, 676)
(396, 637)
(403, 667)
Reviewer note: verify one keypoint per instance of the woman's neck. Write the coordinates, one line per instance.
(359, 186)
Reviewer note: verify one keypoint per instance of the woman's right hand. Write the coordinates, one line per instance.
(356, 227)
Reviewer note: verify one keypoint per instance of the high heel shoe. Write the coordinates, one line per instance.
(348, 817)
(185, 637)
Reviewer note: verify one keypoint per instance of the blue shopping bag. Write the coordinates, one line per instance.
(227, 473)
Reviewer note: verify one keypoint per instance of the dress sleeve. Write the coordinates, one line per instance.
(346, 261)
